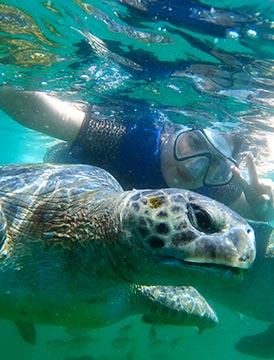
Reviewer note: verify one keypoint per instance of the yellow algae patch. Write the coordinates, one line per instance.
(155, 202)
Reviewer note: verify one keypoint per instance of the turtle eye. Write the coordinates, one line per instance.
(201, 219)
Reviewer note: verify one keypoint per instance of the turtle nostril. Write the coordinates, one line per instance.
(244, 258)
(250, 233)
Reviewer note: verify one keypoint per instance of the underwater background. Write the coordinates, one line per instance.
(206, 63)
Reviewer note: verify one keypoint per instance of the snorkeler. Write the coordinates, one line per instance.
(143, 149)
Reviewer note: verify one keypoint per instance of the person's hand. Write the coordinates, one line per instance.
(258, 192)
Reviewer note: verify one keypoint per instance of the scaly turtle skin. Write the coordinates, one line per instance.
(77, 250)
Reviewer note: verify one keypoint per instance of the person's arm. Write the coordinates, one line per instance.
(256, 201)
(42, 112)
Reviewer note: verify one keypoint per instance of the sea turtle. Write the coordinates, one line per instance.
(76, 250)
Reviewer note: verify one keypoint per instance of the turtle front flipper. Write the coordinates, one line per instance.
(173, 305)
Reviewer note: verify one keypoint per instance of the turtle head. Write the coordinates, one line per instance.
(180, 236)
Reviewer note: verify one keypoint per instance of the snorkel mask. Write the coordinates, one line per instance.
(206, 153)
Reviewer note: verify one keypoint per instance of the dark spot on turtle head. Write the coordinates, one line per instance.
(210, 250)
(175, 209)
(162, 228)
(181, 226)
(177, 198)
(143, 231)
(144, 201)
(162, 214)
(183, 237)
(135, 197)
(156, 242)
(131, 218)
(148, 192)
(136, 206)
(142, 221)
(191, 198)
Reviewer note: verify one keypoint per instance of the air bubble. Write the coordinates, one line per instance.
(233, 35)
(252, 33)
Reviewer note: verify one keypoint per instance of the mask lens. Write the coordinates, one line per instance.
(193, 170)
(222, 143)
(190, 143)
(197, 166)
(205, 153)
(219, 171)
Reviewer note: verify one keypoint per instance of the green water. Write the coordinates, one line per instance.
(130, 339)
(225, 81)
